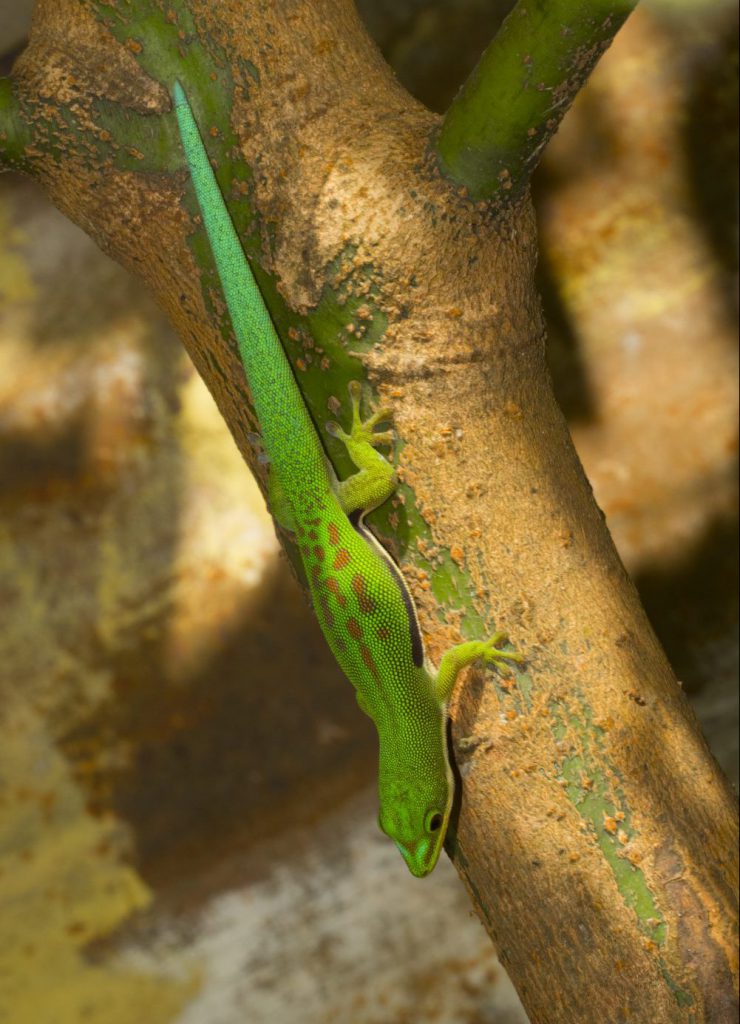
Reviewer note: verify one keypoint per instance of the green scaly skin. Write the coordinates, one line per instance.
(364, 608)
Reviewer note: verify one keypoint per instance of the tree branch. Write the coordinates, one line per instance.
(13, 135)
(512, 103)
(594, 828)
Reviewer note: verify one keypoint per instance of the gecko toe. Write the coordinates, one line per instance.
(379, 416)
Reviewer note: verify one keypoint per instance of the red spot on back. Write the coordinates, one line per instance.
(367, 657)
(384, 633)
(342, 559)
(336, 591)
(319, 552)
(333, 531)
(364, 600)
(354, 628)
(329, 618)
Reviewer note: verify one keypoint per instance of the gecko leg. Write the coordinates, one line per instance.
(457, 658)
(375, 479)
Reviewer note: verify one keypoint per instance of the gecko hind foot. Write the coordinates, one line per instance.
(363, 431)
(375, 480)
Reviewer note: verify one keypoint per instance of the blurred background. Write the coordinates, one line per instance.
(187, 795)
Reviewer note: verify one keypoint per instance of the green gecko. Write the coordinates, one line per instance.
(361, 600)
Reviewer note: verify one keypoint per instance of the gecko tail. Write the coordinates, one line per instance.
(178, 94)
(288, 432)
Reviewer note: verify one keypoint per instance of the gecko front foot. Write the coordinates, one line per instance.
(493, 655)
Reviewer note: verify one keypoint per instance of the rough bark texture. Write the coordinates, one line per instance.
(595, 833)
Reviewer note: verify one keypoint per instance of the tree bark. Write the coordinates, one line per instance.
(595, 833)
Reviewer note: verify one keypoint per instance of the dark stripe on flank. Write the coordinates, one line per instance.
(417, 644)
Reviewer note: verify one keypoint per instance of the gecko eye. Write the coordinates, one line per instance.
(434, 821)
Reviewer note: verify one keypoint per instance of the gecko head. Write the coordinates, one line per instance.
(414, 814)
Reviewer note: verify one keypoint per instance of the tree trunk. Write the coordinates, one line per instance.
(595, 833)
